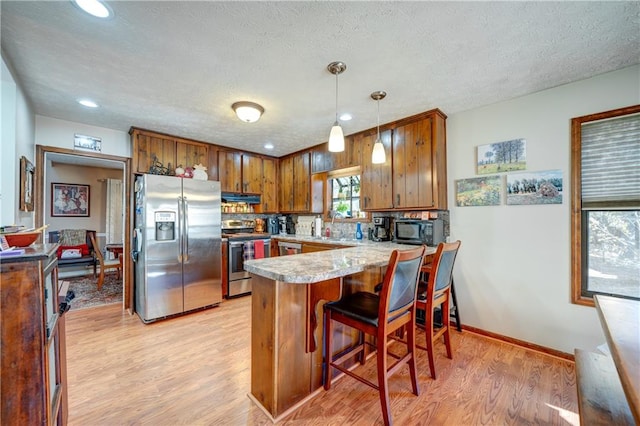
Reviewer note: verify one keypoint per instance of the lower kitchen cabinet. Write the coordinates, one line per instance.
(34, 373)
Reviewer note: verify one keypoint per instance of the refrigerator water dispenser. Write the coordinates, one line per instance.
(165, 226)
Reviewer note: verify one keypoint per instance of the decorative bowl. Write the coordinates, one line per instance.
(22, 239)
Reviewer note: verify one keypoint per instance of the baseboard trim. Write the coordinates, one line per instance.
(527, 345)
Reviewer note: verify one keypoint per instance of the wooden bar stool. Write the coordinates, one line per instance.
(379, 316)
(437, 293)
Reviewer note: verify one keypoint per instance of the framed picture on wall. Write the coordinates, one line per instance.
(69, 200)
(26, 184)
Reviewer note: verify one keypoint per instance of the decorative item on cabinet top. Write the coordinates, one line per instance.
(157, 168)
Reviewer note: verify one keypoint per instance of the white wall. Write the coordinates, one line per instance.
(513, 272)
(18, 129)
(60, 133)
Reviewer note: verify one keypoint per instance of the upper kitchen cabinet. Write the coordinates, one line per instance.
(230, 171)
(414, 177)
(322, 160)
(251, 174)
(412, 160)
(419, 163)
(376, 192)
(269, 198)
(295, 183)
(150, 148)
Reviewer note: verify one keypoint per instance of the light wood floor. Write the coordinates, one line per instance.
(195, 370)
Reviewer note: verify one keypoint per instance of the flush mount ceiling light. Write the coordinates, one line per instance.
(96, 8)
(336, 137)
(88, 103)
(249, 112)
(378, 156)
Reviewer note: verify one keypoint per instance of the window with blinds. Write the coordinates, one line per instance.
(611, 163)
(605, 213)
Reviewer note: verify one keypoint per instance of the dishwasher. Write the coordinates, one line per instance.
(286, 248)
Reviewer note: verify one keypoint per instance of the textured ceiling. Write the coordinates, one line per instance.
(176, 67)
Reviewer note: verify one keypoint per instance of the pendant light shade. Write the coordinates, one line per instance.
(336, 137)
(378, 155)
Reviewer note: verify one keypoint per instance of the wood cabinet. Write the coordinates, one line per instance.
(169, 150)
(415, 173)
(34, 373)
(295, 183)
(230, 171)
(412, 165)
(251, 174)
(322, 160)
(376, 192)
(269, 199)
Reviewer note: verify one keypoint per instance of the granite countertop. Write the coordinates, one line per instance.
(323, 265)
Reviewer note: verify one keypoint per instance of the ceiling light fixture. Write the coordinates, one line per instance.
(336, 137)
(346, 117)
(249, 112)
(378, 156)
(96, 8)
(268, 145)
(88, 103)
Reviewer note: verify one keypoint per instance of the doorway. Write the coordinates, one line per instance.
(47, 157)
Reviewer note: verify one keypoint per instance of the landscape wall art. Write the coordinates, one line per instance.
(527, 188)
(502, 157)
(480, 191)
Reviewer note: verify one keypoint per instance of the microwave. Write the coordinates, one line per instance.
(414, 231)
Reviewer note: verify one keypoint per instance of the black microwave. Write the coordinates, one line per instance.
(414, 231)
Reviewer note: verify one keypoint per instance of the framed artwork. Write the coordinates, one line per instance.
(480, 191)
(502, 157)
(69, 200)
(87, 143)
(527, 188)
(27, 172)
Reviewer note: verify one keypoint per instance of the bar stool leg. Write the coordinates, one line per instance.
(456, 312)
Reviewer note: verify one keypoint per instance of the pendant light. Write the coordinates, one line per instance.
(378, 156)
(336, 137)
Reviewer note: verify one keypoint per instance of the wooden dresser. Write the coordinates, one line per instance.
(33, 389)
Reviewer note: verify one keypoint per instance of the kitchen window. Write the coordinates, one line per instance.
(605, 218)
(343, 193)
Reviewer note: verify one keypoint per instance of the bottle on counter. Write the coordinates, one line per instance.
(358, 231)
(327, 232)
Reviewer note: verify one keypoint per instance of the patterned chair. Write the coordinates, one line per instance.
(73, 239)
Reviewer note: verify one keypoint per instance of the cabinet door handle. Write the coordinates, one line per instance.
(398, 200)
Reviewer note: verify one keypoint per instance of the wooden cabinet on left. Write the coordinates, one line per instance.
(170, 151)
(33, 350)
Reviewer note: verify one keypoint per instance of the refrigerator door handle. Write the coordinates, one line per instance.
(180, 234)
(185, 207)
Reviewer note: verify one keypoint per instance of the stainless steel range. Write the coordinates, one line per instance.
(239, 233)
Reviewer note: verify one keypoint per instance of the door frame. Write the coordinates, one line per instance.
(40, 202)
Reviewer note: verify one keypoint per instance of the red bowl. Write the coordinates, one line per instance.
(22, 239)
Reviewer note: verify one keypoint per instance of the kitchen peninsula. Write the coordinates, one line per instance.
(286, 349)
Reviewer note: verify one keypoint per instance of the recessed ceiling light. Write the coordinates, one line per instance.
(268, 145)
(345, 117)
(96, 8)
(88, 103)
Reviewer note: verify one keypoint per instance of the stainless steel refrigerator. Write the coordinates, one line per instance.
(177, 246)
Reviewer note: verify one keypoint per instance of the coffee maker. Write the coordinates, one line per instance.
(282, 222)
(272, 225)
(381, 230)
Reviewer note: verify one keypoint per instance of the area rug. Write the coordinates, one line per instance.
(87, 294)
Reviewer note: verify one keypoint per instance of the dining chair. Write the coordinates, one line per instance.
(378, 315)
(436, 292)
